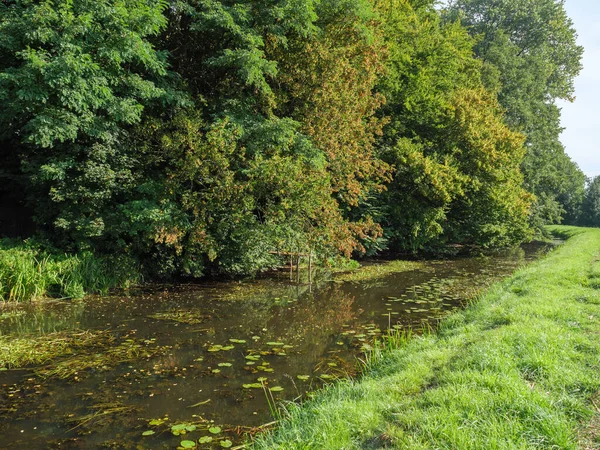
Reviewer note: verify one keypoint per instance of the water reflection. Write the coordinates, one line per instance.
(213, 355)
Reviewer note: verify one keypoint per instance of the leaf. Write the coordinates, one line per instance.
(275, 344)
(214, 430)
(148, 433)
(252, 386)
(226, 443)
(276, 389)
(225, 364)
(205, 439)
(156, 422)
(303, 377)
(187, 444)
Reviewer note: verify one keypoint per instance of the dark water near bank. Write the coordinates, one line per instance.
(214, 347)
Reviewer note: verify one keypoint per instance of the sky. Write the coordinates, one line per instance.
(581, 119)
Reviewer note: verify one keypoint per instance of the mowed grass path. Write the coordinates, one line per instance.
(519, 369)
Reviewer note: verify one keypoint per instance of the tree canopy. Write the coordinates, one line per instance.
(205, 136)
(531, 58)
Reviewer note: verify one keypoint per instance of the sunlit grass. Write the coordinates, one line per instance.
(29, 273)
(516, 370)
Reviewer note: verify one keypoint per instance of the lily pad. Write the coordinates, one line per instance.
(156, 422)
(225, 364)
(182, 428)
(276, 389)
(237, 341)
(276, 344)
(252, 386)
(205, 439)
(148, 433)
(214, 430)
(187, 444)
(303, 377)
(226, 443)
(252, 357)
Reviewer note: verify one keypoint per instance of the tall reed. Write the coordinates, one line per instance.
(29, 272)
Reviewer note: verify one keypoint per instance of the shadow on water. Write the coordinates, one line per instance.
(197, 361)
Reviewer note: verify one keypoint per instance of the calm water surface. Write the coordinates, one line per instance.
(212, 354)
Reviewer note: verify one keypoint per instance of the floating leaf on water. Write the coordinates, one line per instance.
(228, 347)
(250, 363)
(276, 389)
(182, 428)
(339, 343)
(187, 444)
(214, 430)
(225, 364)
(332, 364)
(200, 359)
(205, 439)
(252, 357)
(255, 338)
(156, 422)
(215, 348)
(252, 386)
(148, 433)
(303, 377)
(325, 376)
(216, 371)
(281, 354)
(261, 379)
(288, 346)
(237, 341)
(226, 443)
(275, 344)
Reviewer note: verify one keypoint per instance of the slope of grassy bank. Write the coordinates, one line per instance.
(29, 272)
(516, 370)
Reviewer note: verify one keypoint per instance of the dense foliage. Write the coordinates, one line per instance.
(202, 136)
(531, 59)
(590, 214)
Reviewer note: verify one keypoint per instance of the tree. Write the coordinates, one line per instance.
(73, 76)
(590, 215)
(531, 58)
(456, 163)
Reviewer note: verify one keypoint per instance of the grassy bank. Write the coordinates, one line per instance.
(517, 370)
(29, 272)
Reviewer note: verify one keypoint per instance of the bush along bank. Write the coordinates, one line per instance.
(519, 369)
(29, 272)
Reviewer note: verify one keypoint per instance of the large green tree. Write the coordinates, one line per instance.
(590, 215)
(531, 58)
(73, 76)
(457, 175)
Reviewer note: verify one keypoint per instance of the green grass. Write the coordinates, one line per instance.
(516, 370)
(28, 272)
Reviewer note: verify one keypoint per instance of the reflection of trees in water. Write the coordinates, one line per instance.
(43, 318)
(310, 323)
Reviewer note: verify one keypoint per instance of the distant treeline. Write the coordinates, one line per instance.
(199, 136)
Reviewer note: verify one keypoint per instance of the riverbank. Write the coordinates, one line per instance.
(28, 271)
(517, 369)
